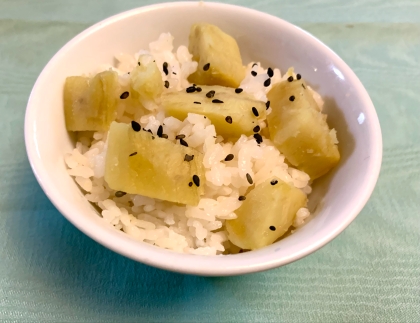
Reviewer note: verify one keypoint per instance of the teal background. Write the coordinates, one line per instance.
(51, 272)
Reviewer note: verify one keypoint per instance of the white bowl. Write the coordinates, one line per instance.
(336, 199)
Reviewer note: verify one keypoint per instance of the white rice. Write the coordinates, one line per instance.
(185, 229)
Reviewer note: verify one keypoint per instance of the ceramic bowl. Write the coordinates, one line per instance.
(336, 199)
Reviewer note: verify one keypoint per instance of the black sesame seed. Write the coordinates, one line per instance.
(188, 158)
(183, 142)
(120, 193)
(165, 136)
(290, 78)
(190, 89)
(255, 64)
(153, 137)
(298, 76)
(205, 117)
(124, 95)
(267, 105)
(180, 137)
(198, 89)
(229, 157)
(258, 138)
(267, 82)
(274, 182)
(253, 73)
(136, 126)
(196, 102)
(167, 84)
(238, 90)
(272, 228)
(148, 130)
(241, 198)
(190, 184)
(165, 68)
(249, 179)
(173, 73)
(255, 111)
(133, 154)
(228, 119)
(206, 67)
(292, 98)
(160, 131)
(217, 101)
(256, 129)
(194, 85)
(138, 63)
(270, 72)
(210, 94)
(303, 85)
(196, 180)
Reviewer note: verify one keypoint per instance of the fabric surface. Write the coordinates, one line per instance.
(51, 272)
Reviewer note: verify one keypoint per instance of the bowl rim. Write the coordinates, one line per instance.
(194, 264)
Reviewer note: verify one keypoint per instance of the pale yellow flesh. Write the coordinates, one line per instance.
(236, 106)
(300, 131)
(90, 104)
(146, 82)
(158, 170)
(209, 44)
(266, 205)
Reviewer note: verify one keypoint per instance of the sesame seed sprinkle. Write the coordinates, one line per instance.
(255, 64)
(167, 84)
(180, 136)
(148, 130)
(228, 119)
(188, 158)
(165, 68)
(303, 85)
(173, 73)
(210, 94)
(217, 101)
(290, 78)
(249, 178)
(206, 67)
(190, 184)
(274, 182)
(229, 157)
(138, 63)
(255, 111)
(196, 102)
(267, 82)
(133, 154)
(238, 90)
(198, 89)
(270, 72)
(120, 193)
(160, 131)
(190, 89)
(196, 180)
(272, 228)
(256, 129)
(298, 76)
(267, 105)
(258, 138)
(183, 142)
(124, 95)
(241, 198)
(292, 98)
(165, 136)
(136, 126)
(253, 73)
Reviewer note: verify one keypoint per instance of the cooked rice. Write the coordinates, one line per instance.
(185, 229)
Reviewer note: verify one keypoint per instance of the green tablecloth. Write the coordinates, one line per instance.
(50, 272)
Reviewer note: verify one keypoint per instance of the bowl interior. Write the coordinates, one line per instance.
(336, 199)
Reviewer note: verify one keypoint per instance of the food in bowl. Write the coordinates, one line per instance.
(193, 152)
